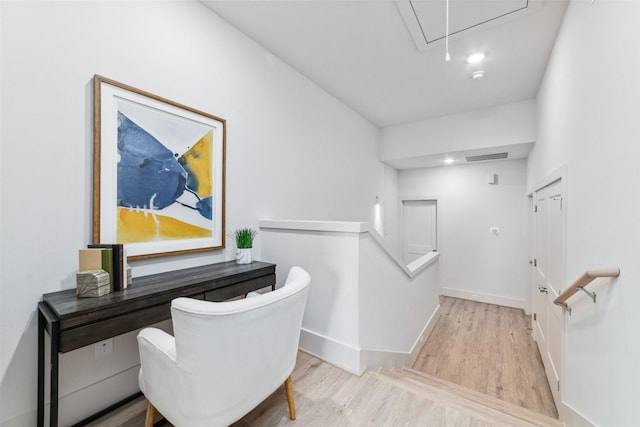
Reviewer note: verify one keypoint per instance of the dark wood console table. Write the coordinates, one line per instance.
(77, 322)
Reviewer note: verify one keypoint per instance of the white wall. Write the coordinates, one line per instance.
(364, 311)
(504, 125)
(588, 108)
(330, 328)
(396, 312)
(390, 210)
(291, 151)
(474, 261)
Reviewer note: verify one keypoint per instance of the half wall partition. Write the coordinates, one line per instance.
(366, 309)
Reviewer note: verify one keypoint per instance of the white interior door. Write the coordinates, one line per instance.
(540, 313)
(549, 271)
(419, 223)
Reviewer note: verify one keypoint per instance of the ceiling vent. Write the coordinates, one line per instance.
(487, 157)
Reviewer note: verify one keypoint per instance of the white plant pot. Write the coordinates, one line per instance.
(243, 256)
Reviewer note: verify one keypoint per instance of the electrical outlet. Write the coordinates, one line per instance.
(104, 347)
(475, 297)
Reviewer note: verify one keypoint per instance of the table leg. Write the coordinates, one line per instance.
(55, 348)
(47, 320)
(40, 369)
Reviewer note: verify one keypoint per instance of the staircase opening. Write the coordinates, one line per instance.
(489, 349)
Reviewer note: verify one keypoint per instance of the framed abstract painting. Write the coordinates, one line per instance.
(158, 173)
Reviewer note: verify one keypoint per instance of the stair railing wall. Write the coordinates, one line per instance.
(365, 309)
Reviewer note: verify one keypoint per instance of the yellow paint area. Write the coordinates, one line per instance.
(197, 161)
(139, 226)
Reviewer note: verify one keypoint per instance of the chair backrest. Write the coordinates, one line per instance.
(235, 354)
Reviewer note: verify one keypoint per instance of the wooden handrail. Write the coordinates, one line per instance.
(583, 281)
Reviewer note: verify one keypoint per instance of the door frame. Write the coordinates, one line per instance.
(529, 295)
(421, 198)
(558, 176)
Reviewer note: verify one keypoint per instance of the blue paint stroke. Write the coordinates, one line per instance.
(204, 207)
(149, 176)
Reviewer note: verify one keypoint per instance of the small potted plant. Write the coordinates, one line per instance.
(244, 242)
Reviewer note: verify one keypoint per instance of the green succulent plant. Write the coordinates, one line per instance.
(244, 237)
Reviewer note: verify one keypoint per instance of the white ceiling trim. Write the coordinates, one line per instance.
(514, 152)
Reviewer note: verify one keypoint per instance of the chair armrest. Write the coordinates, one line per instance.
(159, 375)
(159, 342)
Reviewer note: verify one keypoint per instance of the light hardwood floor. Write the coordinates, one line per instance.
(327, 396)
(487, 348)
(484, 347)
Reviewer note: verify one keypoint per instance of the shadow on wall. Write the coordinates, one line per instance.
(16, 388)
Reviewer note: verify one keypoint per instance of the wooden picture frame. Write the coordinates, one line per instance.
(158, 173)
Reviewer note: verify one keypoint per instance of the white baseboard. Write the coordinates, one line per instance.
(26, 419)
(85, 402)
(357, 360)
(426, 331)
(572, 418)
(337, 353)
(487, 298)
(384, 359)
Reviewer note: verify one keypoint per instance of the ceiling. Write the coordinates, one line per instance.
(514, 151)
(386, 58)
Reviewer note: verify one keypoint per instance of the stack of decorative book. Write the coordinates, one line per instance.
(119, 260)
(108, 257)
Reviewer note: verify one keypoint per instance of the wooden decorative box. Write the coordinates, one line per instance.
(92, 283)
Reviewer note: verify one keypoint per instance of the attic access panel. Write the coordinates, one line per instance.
(426, 19)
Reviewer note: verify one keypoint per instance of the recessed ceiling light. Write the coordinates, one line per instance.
(477, 75)
(449, 160)
(475, 58)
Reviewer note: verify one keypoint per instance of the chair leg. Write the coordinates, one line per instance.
(288, 387)
(151, 412)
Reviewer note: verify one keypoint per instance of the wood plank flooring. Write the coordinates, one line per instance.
(480, 346)
(487, 348)
(327, 396)
(431, 386)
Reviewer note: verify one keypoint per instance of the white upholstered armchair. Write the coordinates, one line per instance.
(226, 357)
